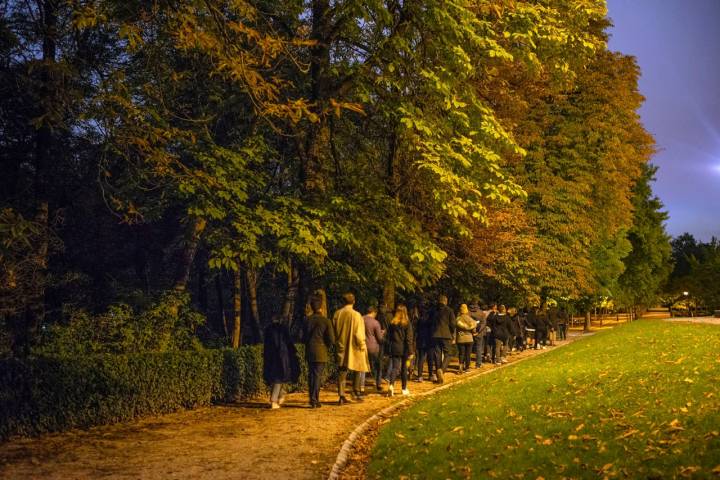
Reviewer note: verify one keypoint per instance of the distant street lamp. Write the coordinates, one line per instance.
(686, 294)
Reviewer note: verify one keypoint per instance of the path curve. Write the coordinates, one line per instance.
(341, 460)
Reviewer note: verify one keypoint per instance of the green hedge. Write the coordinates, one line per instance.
(40, 395)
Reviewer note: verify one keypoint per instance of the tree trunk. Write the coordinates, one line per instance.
(389, 295)
(237, 307)
(251, 278)
(187, 255)
(44, 155)
(587, 321)
(222, 320)
(291, 295)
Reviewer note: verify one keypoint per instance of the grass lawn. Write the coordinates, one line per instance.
(638, 401)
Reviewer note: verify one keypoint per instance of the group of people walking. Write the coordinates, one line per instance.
(385, 345)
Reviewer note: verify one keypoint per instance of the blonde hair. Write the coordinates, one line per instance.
(464, 309)
(401, 316)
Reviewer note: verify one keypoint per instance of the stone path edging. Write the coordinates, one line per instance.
(349, 443)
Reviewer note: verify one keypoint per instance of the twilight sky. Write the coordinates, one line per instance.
(677, 45)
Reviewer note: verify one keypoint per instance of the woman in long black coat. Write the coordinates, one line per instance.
(280, 362)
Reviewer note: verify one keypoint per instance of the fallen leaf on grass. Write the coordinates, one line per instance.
(687, 471)
(627, 434)
(457, 429)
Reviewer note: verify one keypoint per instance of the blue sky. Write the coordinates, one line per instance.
(677, 45)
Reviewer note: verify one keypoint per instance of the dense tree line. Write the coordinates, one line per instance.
(694, 284)
(161, 158)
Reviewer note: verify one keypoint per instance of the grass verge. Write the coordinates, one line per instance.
(639, 401)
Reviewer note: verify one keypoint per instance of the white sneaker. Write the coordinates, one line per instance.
(281, 400)
(274, 405)
(391, 390)
(405, 391)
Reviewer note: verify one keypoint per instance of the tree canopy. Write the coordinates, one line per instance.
(260, 150)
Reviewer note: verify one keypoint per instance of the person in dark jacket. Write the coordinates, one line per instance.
(443, 332)
(563, 320)
(400, 347)
(424, 343)
(490, 333)
(552, 315)
(541, 328)
(280, 363)
(501, 328)
(480, 316)
(318, 337)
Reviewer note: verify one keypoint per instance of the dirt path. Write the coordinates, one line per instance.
(247, 441)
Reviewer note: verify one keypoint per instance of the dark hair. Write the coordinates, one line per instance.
(442, 299)
(316, 303)
(371, 309)
(348, 298)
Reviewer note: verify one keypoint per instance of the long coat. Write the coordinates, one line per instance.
(318, 336)
(350, 339)
(280, 362)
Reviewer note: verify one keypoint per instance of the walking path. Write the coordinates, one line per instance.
(247, 441)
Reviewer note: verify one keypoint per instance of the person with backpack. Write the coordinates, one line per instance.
(480, 316)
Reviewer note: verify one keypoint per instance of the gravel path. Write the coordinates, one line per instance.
(245, 441)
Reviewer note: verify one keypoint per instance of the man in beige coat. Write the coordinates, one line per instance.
(350, 345)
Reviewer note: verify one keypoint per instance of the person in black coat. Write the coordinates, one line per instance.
(443, 320)
(400, 347)
(318, 336)
(490, 344)
(424, 342)
(280, 363)
(501, 327)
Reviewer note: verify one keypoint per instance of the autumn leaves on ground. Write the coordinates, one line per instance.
(639, 401)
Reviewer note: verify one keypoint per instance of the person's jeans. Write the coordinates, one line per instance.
(315, 370)
(479, 349)
(442, 353)
(464, 351)
(376, 368)
(425, 353)
(398, 365)
(342, 378)
(277, 392)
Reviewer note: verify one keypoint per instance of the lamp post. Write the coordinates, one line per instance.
(686, 294)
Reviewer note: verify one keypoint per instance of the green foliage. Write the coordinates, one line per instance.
(166, 325)
(649, 263)
(639, 400)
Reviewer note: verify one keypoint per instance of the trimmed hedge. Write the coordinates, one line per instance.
(46, 394)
